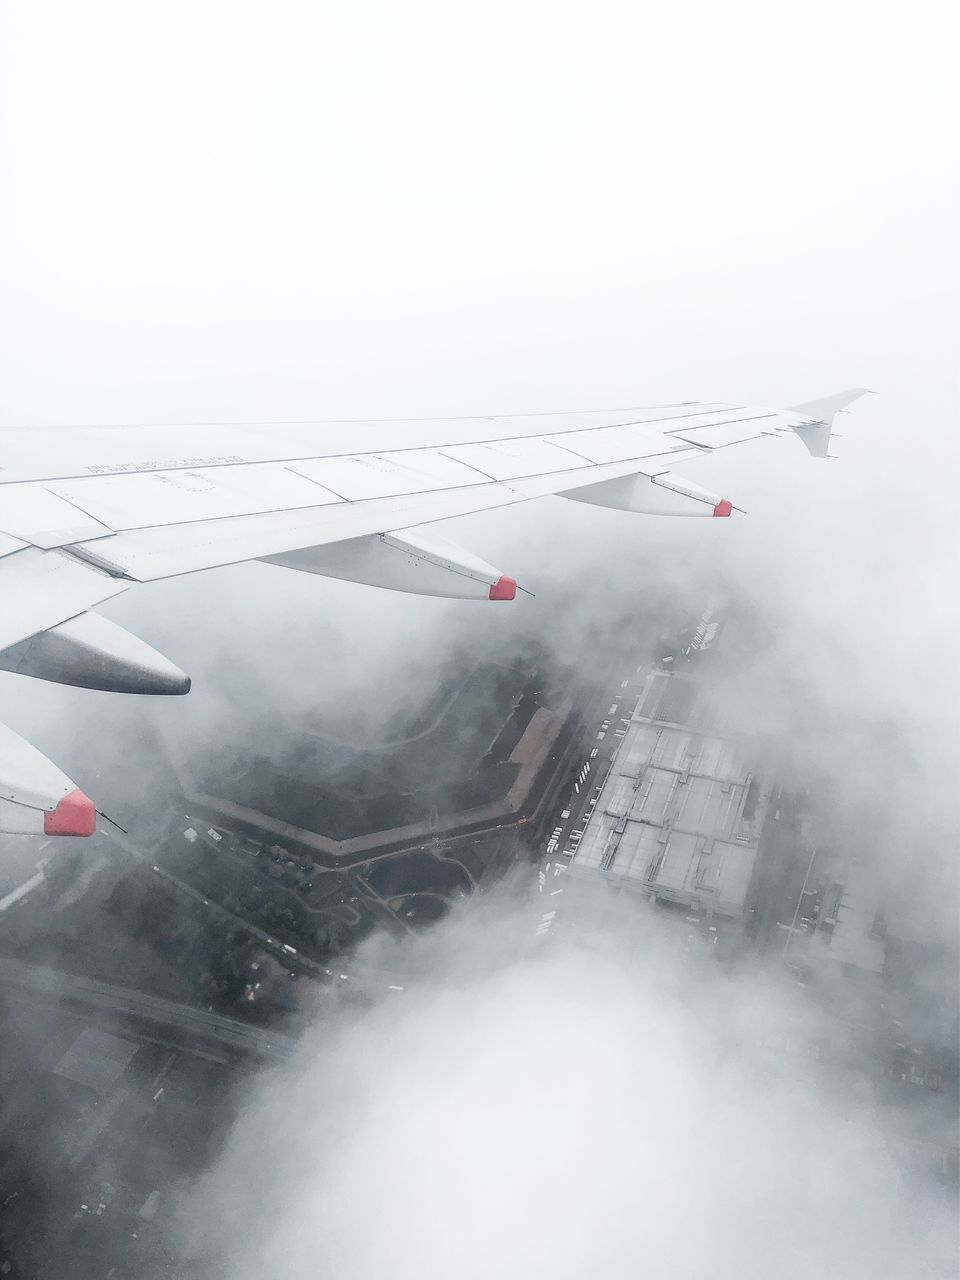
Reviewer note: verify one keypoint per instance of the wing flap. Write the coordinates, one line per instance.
(83, 508)
(40, 589)
(34, 514)
(164, 552)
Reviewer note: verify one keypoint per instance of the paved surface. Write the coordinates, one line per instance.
(603, 732)
(187, 1024)
(361, 974)
(784, 870)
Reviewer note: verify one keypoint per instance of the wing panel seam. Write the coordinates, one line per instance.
(311, 457)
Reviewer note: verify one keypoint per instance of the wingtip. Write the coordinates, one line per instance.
(822, 410)
(816, 431)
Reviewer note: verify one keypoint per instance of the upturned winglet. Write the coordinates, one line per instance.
(815, 431)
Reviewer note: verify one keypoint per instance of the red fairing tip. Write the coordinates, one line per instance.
(73, 816)
(723, 508)
(504, 589)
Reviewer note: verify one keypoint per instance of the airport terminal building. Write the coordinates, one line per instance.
(680, 812)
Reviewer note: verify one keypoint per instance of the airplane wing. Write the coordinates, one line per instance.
(85, 513)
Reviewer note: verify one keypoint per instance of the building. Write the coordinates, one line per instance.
(482, 761)
(680, 811)
(851, 928)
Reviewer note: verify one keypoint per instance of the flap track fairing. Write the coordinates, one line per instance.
(94, 653)
(404, 560)
(664, 494)
(36, 797)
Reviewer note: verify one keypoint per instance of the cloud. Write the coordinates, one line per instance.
(603, 1107)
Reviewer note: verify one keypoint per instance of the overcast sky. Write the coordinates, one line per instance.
(315, 210)
(215, 211)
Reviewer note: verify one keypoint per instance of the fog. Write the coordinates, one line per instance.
(609, 1107)
(246, 212)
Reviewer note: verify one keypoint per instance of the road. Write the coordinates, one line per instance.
(187, 1024)
(781, 876)
(605, 730)
(290, 956)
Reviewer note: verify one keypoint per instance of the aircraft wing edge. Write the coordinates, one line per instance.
(817, 428)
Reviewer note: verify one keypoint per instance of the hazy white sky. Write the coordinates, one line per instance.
(291, 209)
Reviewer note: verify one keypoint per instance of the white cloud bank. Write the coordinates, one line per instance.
(604, 1109)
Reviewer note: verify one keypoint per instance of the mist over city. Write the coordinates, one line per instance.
(611, 930)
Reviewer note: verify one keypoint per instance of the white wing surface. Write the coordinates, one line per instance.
(87, 512)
